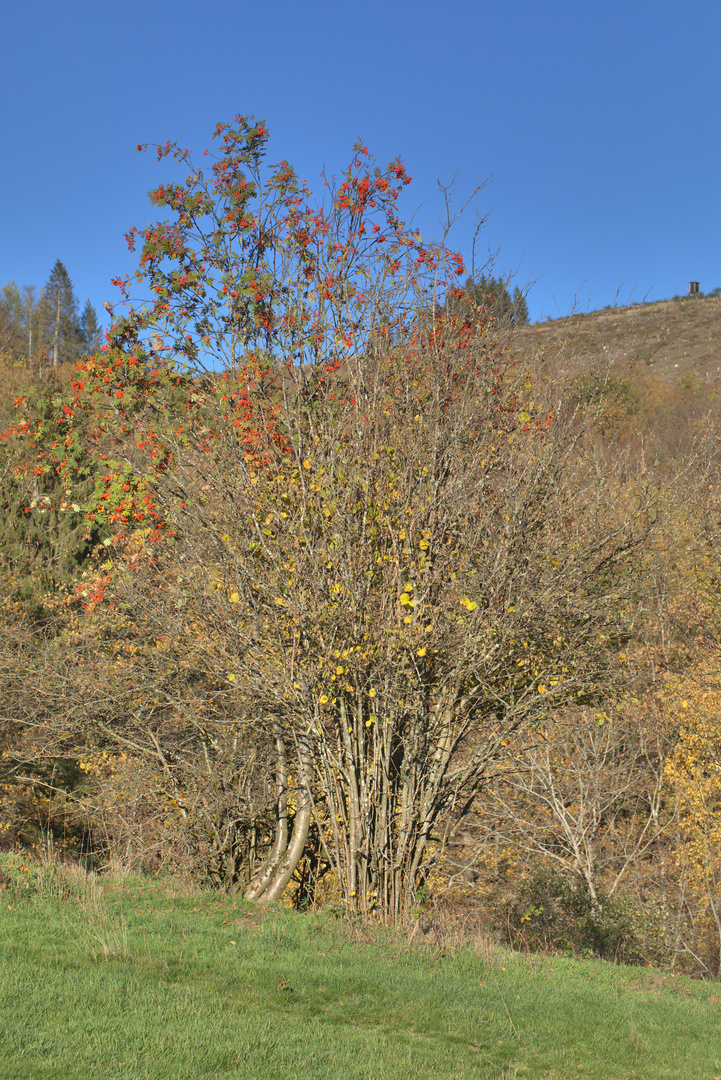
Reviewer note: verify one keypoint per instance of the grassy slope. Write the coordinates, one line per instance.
(138, 982)
(666, 340)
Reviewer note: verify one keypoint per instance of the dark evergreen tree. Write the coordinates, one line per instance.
(63, 332)
(91, 334)
(492, 296)
(520, 308)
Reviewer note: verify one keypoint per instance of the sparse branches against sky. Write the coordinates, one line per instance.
(600, 124)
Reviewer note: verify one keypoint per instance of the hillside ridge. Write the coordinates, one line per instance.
(666, 339)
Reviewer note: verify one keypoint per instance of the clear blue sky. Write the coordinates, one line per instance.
(601, 123)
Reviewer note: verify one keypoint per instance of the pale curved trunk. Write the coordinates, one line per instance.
(285, 854)
(262, 878)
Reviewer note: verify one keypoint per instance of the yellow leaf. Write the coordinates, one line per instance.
(371, 692)
(323, 699)
(408, 619)
(405, 599)
(231, 677)
(234, 598)
(306, 464)
(421, 651)
(541, 688)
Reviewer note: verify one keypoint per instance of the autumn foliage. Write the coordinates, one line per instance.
(351, 584)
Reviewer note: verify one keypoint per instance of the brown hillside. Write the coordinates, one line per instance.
(666, 340)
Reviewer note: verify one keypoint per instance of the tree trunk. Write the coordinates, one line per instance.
(285, 854)
(301, 826)
(262, 878)
(56, 335)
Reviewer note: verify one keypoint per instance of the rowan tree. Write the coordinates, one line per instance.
(391, 552)
(47, 482)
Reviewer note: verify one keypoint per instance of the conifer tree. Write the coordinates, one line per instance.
(63, 335)
(520, 308)
(91, 333)
(492, 296)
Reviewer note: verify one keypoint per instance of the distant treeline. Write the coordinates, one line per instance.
(47, 328)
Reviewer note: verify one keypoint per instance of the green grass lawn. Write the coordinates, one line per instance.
(133, 979)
